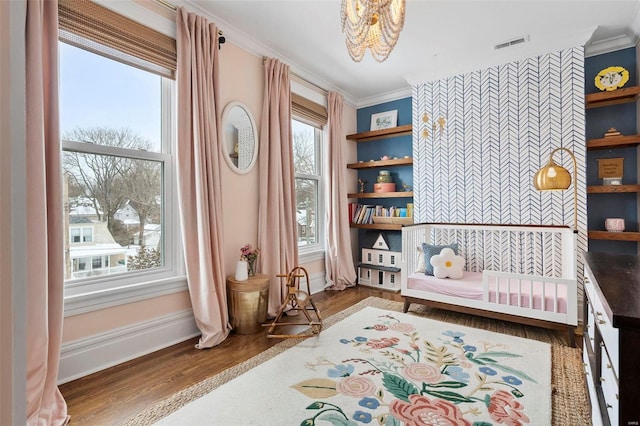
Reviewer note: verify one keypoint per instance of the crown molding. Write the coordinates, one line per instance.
(385, 97)
(610, 45)
(244, 41)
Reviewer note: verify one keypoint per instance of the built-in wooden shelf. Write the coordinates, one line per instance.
(406, 194)
(380, 134)
(612, 189)
(380, 163)
(615, 97)
(614, 236)
(371, 136)
(380, 226)
(613, 142)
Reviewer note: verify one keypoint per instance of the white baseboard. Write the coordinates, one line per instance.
(89, 355)
(317, 282)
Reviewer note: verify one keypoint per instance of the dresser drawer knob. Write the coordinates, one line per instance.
(602, 322)
(609, 406)
(609, 366)
(599, 313)
(602, 379)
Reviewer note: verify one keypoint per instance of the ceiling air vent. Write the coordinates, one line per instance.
(512, 42)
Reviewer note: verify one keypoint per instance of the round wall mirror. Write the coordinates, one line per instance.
(239, 137)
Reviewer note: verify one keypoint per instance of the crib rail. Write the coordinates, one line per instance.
(538, 297)
(532, 250)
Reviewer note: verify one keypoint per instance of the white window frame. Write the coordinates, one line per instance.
(94, 293)
(81, 229)
(313, 252)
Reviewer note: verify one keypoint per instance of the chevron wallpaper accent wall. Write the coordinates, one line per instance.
(501, 125)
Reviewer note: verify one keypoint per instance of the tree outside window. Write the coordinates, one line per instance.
(306, 149)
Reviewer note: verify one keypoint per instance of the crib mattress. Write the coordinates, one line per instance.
(470, 287)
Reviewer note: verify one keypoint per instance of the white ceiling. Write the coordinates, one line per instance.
(440, 38)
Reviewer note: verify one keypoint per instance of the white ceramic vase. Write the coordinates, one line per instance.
(242, 270)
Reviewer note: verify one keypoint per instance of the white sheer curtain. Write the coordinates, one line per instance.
(338, 258)
(199, 162)
(277, 210)
(45, 217)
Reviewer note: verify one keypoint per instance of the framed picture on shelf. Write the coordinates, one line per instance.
(384, 120)
(610, 167)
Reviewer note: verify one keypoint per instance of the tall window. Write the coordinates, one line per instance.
(308, 184)
(116, 161)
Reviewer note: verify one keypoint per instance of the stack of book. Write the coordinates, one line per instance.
(365, 213)
(361, 213)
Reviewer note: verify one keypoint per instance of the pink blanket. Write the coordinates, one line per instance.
(470, 287)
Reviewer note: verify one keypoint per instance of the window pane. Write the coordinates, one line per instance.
(96, 262)
(306, 208)
(304, 148)
(101, 99)
(121, 199)
(75, 235)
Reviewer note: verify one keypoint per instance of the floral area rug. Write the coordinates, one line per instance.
(388, 368)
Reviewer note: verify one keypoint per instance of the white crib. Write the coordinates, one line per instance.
(524, 274)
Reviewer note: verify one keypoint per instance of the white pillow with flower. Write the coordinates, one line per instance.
(447, 264)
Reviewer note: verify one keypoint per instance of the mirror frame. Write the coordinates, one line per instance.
(227, 146)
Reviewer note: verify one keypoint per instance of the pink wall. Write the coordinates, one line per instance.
(242, 81)
(99, 321)
(241, 74)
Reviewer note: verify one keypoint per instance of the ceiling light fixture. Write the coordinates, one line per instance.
(372, 24)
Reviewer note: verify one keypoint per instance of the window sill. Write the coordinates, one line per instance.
(96, 300)
(305, 257)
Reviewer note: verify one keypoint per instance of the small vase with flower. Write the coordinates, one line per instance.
(250, 256)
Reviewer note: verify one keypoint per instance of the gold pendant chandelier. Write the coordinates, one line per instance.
(372, 24)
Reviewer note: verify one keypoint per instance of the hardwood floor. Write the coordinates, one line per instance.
(112, 396)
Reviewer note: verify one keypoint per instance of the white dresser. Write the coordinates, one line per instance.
(611, 349)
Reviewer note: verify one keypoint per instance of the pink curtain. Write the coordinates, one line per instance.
(338, 259)
(45, 216)
(199, 187)
(277, 210)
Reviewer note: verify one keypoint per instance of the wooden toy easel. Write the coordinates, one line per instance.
(296, 300)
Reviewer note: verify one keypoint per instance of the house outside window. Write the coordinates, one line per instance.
(307, 141)
(117, 114)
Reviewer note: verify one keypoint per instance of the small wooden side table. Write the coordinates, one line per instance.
(248, 303)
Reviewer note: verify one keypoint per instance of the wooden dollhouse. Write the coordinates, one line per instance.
(380, 265)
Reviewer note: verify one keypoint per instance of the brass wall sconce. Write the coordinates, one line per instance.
(441, 122)
(554, 177)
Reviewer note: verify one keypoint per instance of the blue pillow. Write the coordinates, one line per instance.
(431, 250)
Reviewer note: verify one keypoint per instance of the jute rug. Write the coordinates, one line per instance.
(569, 401)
